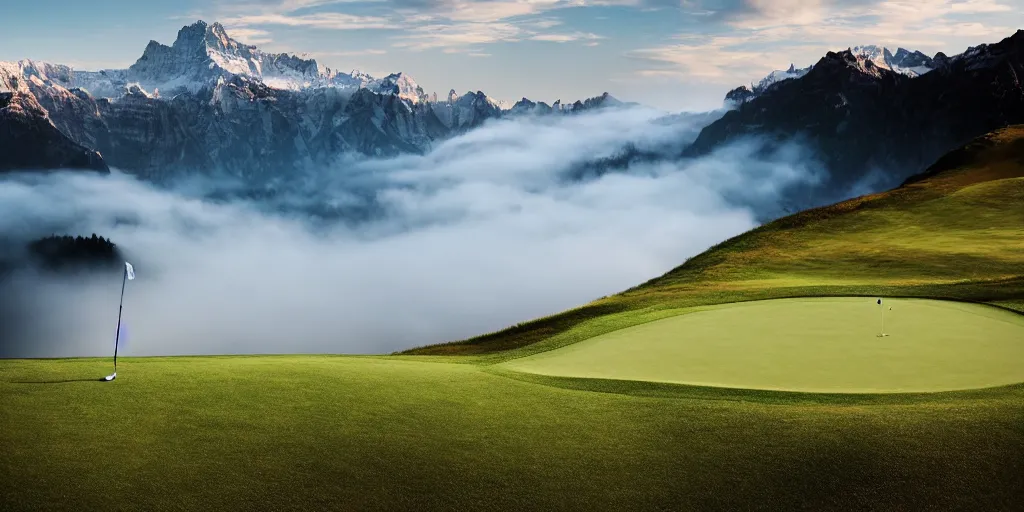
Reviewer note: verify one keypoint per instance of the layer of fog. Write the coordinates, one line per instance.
(483, 232)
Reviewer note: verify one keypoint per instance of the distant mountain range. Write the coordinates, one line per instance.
(203, 54)
(868, 125)
(904, 62)
(882, 121)
(209, 103)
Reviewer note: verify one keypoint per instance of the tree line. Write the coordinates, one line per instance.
(58, 251)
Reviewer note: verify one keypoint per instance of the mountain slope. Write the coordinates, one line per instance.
(30, 141)
(200, 55)
(871, 125)
(956, 231)
(904, 62)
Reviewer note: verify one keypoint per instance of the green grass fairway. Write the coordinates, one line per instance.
(818, 345)
(362, 433)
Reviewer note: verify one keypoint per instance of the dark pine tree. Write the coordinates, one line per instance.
(60, 252)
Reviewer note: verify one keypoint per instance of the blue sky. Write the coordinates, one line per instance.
(676, 55)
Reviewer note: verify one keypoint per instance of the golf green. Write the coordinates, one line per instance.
(813, 345)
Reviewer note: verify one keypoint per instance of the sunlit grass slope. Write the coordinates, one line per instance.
(955, 232)
(809, 344)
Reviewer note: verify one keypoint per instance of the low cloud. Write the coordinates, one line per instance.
(447, 24)
(457, 36)
(565, 38)
(251, 35)
(488, 229)
(325, 20)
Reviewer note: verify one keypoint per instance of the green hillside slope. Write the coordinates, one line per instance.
(954, 232)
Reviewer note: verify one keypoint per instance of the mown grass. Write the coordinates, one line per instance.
(955, 233)
(346, 433)
(815, 344)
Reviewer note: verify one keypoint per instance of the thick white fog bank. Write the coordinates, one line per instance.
(483, 232)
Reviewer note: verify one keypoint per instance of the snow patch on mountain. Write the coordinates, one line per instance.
(903, 61)
(868, 59)
(204, 54)
(398, 84)
(778, 76)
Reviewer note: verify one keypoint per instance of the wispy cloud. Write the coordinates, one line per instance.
(327, 20)
(285, 6)
(565, 38)
(757, 36)
(545, 23)
(704, 58)
(251, 35)
(457, 35)
(425, 24)
(350, 53)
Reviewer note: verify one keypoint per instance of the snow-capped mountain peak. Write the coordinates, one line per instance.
(203, 54)
(905, 62)
(778, 76)
(876, 54)
(866, 58)
(398, 84)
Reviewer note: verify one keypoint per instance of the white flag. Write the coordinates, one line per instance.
(130, 270)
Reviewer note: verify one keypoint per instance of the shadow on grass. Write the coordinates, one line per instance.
(650, 389)
(101, 379)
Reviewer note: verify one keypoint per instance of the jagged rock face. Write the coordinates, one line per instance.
(29, 141)
(903, 62)
(238, 126)
(378, 125)
(739, 96)
(859, 117)
(202, 54)
(604, 100)
(401, 85)
(466, 112)
(525, 106)
(472, 109)
(909, 60)
(243, 127)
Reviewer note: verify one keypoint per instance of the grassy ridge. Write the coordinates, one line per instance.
(955, 232)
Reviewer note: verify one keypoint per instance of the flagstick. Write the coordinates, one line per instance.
(120, 306)
(882, 312)
(881, 315)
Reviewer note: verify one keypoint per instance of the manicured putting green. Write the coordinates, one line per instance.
(816, 345)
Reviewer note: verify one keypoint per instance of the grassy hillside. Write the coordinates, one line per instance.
(954, 232)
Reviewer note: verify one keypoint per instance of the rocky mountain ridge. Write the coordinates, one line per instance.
(30, 141)
(208, 103)
(904, 62)
(871, 124)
